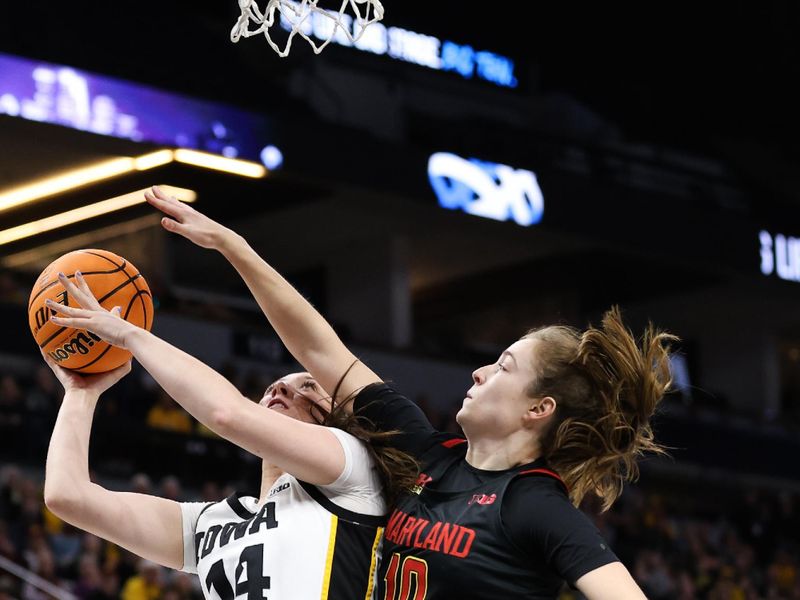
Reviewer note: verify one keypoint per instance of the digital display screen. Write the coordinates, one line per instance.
(62, 95)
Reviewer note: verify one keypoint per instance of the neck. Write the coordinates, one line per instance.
(492, 454)
(269, 474)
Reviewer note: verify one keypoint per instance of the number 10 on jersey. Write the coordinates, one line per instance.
(413, 577)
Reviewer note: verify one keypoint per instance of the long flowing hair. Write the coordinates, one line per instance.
(398, 470)
(606, 386)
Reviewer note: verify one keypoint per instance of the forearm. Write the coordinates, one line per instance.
(305, 450)
(145, 525)
(304, 332)
(67, 467)
(199, 389)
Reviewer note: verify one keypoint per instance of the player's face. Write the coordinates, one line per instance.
(498, 401)
(296, 396)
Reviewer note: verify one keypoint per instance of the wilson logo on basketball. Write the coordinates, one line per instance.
(80, 344)
(113, 281)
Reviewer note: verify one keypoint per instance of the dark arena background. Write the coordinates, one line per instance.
(490, 170)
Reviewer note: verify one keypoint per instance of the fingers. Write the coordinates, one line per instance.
(79, 323)
(159, 193)
(170, 206)
(174, 226)
(162, 202)
(69, 311)
(82, 285)
(79, 290)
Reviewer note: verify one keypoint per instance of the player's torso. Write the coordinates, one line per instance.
(291, 548)
(440, 544)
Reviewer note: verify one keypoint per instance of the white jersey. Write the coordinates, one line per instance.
(302, 542)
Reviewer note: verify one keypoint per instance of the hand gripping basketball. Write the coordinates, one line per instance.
(91, 316)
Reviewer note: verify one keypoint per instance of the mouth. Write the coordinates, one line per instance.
(277, 403)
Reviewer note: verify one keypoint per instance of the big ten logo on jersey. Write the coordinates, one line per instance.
(486, 189)
(280, 488)
(249, 577)
(43, 313)
(482, 499)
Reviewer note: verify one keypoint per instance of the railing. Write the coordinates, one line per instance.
(34, 580)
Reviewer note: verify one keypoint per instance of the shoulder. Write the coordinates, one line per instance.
(538, 482)
(539, 507)
(380, 391)
(235, 506)
(357, 454)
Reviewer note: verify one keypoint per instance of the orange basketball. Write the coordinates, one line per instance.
(114, 282)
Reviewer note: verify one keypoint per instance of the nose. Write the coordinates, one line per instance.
(477, 376)
(280, 388)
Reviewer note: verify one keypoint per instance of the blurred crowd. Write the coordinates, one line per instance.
(739, 545)
(680, 539)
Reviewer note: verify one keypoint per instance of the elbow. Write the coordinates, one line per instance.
(61, 500)
(222, 420)
(227, 420)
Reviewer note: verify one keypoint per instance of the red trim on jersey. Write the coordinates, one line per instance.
(453, 442)
(545, 472)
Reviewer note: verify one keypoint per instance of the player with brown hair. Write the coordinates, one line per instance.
(561, 414)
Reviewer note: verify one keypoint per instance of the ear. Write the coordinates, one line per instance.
(541, 408)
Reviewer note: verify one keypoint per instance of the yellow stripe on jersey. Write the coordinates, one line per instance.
(372, 564)
(326, 576)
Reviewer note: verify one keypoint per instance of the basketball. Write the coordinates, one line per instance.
(114, 281)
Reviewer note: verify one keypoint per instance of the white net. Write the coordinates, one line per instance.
(302, 17)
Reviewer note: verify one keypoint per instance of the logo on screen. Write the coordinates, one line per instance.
(486, 189)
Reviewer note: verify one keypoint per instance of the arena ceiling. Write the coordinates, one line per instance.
(711, 79)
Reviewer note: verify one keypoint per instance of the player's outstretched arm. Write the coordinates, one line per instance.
(308, 451)
(610, 582)
(148, 526)
(306, 334)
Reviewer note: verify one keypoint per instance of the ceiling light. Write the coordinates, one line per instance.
(88, 212)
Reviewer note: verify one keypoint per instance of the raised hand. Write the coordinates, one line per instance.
(186, 221)
(94, 383)
(109, 325)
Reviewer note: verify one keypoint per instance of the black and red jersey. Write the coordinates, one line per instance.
(469, 533)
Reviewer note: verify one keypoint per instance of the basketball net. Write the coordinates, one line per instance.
(297, 18)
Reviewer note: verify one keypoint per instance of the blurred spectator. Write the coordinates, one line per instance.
(7, 548)
(11, 402)
(44, 566)
(90, 578)
(42, 400)
(9, 587)
(171, 489)
(66, 546)
(146, 584)
(211, 492)
(141, 484)
(167, 414)
(782, 574)
(10, 493)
